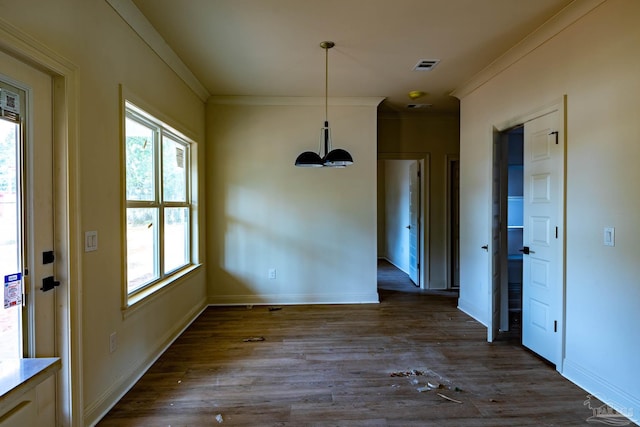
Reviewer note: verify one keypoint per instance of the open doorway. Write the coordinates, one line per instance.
(401, 200)
(507, 239)
(512, 309)
(453, 222)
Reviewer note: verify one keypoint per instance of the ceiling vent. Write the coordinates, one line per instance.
(418, 106)
(426, 64)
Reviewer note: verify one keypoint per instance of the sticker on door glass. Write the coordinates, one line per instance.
(12, 290)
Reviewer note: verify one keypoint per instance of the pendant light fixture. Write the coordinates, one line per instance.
(325, 157)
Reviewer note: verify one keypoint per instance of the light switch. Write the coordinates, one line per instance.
(609, 236)
(90, 241)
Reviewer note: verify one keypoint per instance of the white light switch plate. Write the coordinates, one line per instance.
(609, 236)
(90, 241)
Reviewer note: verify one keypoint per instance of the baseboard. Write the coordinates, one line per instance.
(605, 391)
(470, 310)
(294, 299)
(100, 407)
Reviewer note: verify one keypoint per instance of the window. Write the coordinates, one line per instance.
(158, 203)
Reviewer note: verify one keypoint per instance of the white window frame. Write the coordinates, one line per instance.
(161, 129)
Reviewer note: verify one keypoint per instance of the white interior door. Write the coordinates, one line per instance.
(414, 222)
(36, 168)
(543, 265)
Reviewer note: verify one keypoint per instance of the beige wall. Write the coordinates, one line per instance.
(595, 63)
(437, 137)
(316, 227)
(106, 53)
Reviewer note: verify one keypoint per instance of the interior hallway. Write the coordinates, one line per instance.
(349, 365)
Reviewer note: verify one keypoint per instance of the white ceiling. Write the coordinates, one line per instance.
(271, 47)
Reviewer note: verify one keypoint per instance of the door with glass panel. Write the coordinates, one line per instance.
(26, 230)
(27, 256)
(11, 221)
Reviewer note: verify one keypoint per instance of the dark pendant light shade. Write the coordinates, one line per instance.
(309, 159)
(337, 158)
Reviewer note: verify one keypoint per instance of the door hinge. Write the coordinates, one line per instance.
(555, 326)
(556, 133)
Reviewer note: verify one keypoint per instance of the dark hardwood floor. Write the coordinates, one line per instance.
(349, 365)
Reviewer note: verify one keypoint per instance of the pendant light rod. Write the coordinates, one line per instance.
(326, 45)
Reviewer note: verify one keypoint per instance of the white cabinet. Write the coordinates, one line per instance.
(26, 392)
(22, 412)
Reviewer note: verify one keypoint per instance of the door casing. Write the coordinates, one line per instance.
(67, 232)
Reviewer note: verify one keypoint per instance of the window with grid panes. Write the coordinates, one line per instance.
(158, 205)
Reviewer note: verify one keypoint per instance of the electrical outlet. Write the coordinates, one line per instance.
(113, 342)
(272, 273)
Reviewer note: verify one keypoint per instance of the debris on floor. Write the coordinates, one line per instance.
(275, 308)
(219, 418)
(448, 398)
(253, 339)
(433, 380)
(413, 373)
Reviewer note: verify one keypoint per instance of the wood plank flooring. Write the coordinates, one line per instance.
(349, 365)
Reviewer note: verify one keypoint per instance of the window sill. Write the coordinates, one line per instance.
(140, 299)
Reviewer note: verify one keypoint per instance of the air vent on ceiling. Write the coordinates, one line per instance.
(426, 64)
(417, 106)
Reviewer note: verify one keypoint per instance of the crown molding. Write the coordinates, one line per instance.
(365, 101)
(141, 25)
(563, 19)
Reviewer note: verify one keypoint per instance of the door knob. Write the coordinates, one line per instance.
(408, 226)
(525, 250)
(485, 247)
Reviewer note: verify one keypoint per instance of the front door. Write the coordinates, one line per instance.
(26, 102)
(543, 243)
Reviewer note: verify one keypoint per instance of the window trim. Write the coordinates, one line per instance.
(130, 109)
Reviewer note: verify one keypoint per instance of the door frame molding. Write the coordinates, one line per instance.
(450, 159)
(558, 104)
(14, 42)
(425, 169)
